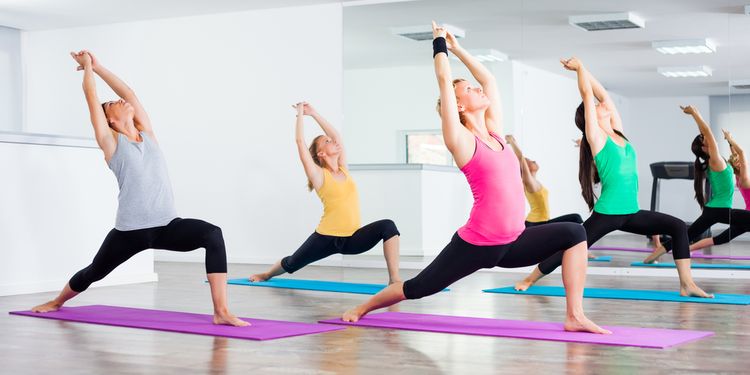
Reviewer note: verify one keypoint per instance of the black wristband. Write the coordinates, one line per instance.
(439, 45)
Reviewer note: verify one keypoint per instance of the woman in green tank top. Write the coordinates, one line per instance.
(607, 157)
(711, 166)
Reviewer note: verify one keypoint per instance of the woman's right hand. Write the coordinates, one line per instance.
(571, 64)
(689, 109)
(304, 108)
(727, 135)
(83, 59)
(438, 31)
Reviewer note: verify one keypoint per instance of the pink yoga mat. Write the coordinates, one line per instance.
(621, 336)
(173, 321)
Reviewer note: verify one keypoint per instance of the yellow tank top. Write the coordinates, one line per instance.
(539, 203)
(340, 206)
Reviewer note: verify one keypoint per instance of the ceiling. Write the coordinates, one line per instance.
(537, 33)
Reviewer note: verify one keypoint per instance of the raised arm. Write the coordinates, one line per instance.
(494, 115)
(603, 97)
(715, 161)
(744, 176)
(103, 134)
(594, 134)
(529, 181)
(313, 171)
(458, 140)
(328, 129)
(141, 119)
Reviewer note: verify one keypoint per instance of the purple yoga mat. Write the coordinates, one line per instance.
(621, 336)
(695, 254)
(700, 254)
(617, 248)
(172, 321)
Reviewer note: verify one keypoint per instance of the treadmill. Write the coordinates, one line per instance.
(674, 170)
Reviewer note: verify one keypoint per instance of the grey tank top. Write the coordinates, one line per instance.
(145, 199)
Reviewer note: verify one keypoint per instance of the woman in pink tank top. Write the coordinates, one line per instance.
(495, 234)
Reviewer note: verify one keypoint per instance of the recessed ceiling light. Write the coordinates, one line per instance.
(671, 47)
(424, 32)
(608, 21)
(685, 71)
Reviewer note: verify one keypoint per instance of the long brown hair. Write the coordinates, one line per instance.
(700, 169)
(314, 153)
(587, 173)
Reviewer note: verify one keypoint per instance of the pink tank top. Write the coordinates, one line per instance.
(745, 194)
(497, 217)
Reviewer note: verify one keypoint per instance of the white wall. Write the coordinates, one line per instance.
(381, 103)
(218, 89)
(12, 79)
(56, 206)
(661, 132)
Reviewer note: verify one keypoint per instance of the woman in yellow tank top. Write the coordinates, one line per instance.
(339, 231)
(536, 194)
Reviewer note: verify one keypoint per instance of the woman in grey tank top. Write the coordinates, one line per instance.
(146, 216)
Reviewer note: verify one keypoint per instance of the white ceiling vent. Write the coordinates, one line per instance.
(741, 85)
(424, 32)
(609, 21)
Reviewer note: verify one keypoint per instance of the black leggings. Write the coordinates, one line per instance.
(569, 218)
(319, 246)
(179, 235)
(460, 258)
(738, 220)
(642, 222)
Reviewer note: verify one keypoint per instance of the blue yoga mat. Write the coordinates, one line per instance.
(696, 265)
(643, 295)
(319, 285)
(605, 258)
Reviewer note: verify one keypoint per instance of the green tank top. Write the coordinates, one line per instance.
(618, 171)
(722, 187)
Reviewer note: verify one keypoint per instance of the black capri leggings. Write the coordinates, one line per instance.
(738, 220)
(179, 235)
(642, 222)
(460, 258)
(319, 246)
(570, 218)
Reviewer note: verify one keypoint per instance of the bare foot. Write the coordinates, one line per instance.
(655, 255)
(227, 318)
(47, 307)
(521, 286)
(259, 277)
(393, 281)
(694, 291)
(583, 324)
(352, 315)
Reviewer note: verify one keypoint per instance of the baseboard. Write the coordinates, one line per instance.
(55, 285)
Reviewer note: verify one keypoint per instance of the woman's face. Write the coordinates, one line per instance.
(118, 111)
(470, 98)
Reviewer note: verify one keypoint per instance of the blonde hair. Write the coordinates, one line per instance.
(460, 114)
(314, 153)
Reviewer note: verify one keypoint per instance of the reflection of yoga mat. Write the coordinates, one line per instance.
(695, 265)
(605, 258)
(319, 285)
(617, 248)
(622, 336)
(172, 321)
(701, 255)
(642, 295)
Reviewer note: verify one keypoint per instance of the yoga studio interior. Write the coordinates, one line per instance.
(374, 187)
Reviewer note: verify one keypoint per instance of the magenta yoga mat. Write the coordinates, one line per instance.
(655, 338)
(173, 321)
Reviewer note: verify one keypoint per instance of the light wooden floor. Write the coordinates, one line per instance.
(38, 346)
